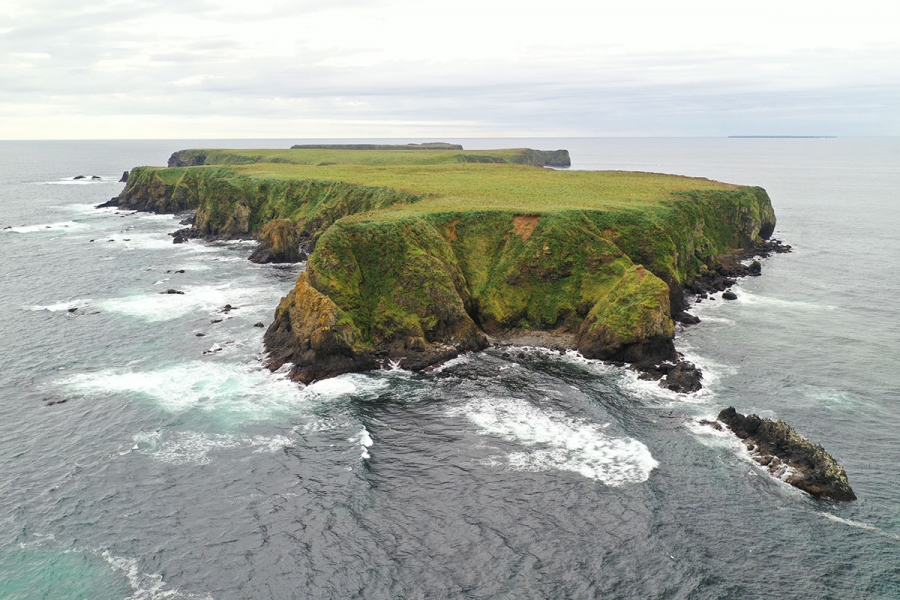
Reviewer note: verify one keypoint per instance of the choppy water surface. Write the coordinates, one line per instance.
(141, 460)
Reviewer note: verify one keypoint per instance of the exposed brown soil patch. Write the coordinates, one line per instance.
(524, 225)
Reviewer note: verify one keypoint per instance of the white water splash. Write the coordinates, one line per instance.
(233, 391)
(193, 447)
(365, 441)
(62, 306)
(554, 440)
(146, 586)
(856, 524)
(156, 306)
(44, 227)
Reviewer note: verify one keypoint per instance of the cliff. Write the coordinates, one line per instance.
(420, 255)
(419, 289)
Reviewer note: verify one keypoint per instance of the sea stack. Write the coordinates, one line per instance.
(790, 457)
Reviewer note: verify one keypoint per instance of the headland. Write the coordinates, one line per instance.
(418, 254)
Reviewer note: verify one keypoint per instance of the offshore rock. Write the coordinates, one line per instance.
(789, 456)
(682, 377)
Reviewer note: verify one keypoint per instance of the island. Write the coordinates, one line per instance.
(416, 254)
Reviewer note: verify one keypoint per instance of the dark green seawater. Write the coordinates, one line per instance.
(142, 461)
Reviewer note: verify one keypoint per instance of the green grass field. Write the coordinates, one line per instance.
(459, 187)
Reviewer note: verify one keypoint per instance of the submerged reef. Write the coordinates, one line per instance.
(418, 254)
(788, 456)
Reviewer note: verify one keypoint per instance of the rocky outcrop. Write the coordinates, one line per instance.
(321, 340)
(790, 457)
(682, 377)
(187, 159)
(279, 242)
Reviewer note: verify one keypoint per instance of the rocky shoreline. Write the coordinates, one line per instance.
(663, 364)
(787, 456)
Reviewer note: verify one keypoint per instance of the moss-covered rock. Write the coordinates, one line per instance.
(279, 242)
(312, 332)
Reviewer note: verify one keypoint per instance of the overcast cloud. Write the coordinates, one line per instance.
(395, 68)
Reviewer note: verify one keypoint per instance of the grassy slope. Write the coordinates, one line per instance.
(417, 252)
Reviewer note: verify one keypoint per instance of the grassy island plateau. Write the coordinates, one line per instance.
(418, 254)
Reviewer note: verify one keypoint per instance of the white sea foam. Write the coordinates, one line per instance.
(555, 441)
(749, 298)
(365, 441)
(158, 241)
(62, 306)
(154, 306)
(193, 447)
(45, 227)
(857, 524)
(86, 180)
(236, 392)
(453, 362)
(146, 586)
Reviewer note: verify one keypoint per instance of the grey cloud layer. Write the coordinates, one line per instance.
(102, 63)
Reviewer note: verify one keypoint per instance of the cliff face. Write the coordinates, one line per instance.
(422, 289)
(230, 205)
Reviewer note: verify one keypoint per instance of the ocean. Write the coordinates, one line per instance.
(146, 453)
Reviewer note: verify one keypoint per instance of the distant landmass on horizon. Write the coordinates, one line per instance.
(783, 136)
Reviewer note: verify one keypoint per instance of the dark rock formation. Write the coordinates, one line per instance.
(730, 267)
(193, 160)
(171, 291)
(310, 332)
(729, 295)
(789, 456)
(77, 177)
(95, 177)
(124, 177)
(688, 319)
(111, 203)
(683, 377)
(280, 241)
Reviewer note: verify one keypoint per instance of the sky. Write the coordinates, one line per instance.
(142, 69)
